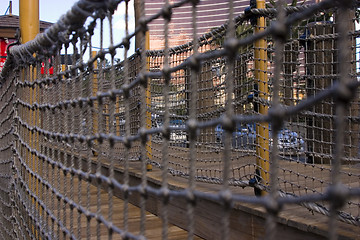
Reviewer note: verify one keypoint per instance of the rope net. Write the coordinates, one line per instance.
(262, 110)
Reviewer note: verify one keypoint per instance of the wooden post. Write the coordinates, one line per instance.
(137, 11)
(30, 27)
(29, 19)
(148, 105)
(262, 129)
(94, 91)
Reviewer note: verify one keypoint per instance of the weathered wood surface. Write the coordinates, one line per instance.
(96, 200)
(247, 221)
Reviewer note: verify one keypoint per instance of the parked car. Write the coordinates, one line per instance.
(244, 137)
(178, 134)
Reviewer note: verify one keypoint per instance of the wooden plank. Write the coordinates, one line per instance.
(246, 220)
(152, 222)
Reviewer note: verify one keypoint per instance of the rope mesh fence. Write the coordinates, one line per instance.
(266, 115)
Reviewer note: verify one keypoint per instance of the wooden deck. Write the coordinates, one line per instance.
(86, 195)
(247, 221)
(295, 222)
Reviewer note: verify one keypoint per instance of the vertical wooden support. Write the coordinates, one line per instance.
(94, 91)
(117, 118)
(107, 117)
(262, 129)
(29, 19)
(30, 27)
(148, 105)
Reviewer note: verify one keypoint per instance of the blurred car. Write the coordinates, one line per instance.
(178, 134)
(244, 137)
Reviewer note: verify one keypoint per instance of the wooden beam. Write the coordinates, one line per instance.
(7, 32)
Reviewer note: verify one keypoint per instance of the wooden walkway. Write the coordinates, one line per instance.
(295, 222)
(87, 195)
(247, 221)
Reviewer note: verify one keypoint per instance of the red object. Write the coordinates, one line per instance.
(4, 42)
(2, 62)
(51, 69)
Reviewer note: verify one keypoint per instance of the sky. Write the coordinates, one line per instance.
(49, 10)
(52, 10)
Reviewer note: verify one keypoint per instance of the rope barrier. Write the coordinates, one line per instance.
(75, 140)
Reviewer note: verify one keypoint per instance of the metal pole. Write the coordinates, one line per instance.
(262, 129)
(148, 105)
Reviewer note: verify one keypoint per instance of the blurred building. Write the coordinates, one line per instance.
(8, 27)
(210, 14)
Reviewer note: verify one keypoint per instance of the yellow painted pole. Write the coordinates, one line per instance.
(29, 19)
(148, 105)
(96, 107)
(30, 27)
(107, 118)
(262, 129)
(117, 118)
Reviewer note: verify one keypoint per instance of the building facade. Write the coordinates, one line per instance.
(9, 24)
(210, 14)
